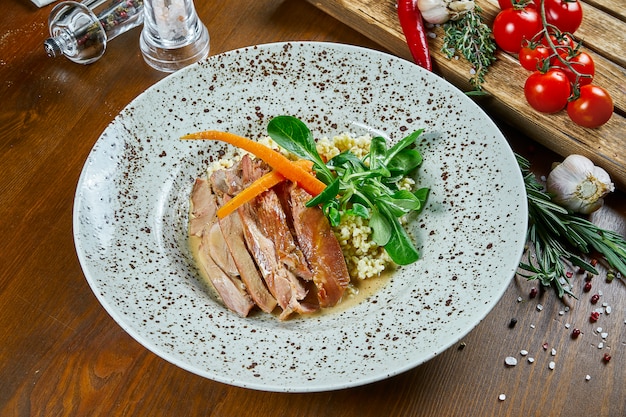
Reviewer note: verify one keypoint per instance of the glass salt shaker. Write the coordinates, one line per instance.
(80, 31)
(172, 36)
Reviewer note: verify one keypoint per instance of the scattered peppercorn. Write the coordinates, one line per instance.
(594, 262)
(610, 276)
(606, 357)
(462, 345)
(533, 292)
(575, 333)
(594, 316)
(595, 298)
(512, 323)
(587, 286)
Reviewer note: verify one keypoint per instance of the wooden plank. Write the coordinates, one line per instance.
(616, 8)
(504, 83)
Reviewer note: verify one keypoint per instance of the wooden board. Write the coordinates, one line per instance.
(604, 35)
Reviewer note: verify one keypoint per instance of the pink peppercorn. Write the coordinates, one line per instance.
(533, 292)
(587, 286)
(594, 316)
(606, 357)
(575, 333)
(595, 298)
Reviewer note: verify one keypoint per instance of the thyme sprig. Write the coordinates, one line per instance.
(556, 235)
(471, 38)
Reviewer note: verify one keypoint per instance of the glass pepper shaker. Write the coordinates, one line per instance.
(172, 36)
(80, 31)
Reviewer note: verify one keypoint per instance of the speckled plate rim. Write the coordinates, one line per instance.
(471, 235)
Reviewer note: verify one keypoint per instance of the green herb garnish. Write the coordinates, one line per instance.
(472, 39)
(555, 234)
(363, 187)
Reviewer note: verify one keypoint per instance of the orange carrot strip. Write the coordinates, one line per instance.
(274, 159)
(259, 186)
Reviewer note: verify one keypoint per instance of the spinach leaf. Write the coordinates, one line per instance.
(365, 187)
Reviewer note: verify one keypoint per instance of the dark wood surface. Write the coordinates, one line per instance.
(62, 354)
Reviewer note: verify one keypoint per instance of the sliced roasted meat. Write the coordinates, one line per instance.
(282, 283)
(232, 229)
(203, 209)
(230, 288)
(320, 247)
(273, 220)
(219, 249)
(225, 182)
(272, 245)
(270, 215)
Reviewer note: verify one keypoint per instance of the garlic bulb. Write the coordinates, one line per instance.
(578, 185)
(440, 11)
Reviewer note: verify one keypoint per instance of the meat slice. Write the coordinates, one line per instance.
(230, 289)
(219, 249)
(273, 220)
(270, 215)
(320, 247)
(202, 208)
(232, 229)
(226, 183)
(282, 283)
(273, 247)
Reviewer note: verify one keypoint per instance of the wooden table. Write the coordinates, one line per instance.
(62, 354)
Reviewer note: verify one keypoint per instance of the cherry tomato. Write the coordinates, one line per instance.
(512, 26)
(547, 92)
(566, 15)
(593, 108)
(581, 63)
(533, 59)
(563, 42)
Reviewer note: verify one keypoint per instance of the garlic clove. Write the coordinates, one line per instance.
(578, 185)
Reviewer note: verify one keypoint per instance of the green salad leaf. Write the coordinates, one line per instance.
(364, 187)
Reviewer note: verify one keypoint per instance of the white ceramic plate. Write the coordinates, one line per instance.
(130, 216)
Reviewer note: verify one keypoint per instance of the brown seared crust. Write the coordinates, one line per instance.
(320, 247)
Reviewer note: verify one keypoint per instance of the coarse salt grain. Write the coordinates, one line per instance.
(607, 309)
(567, 325)
(587, 378)
(561, 312)
(532, 326)
(551, 365)
(520, 299)
(539, 307)
(553, 352)
(523, 352)
(531, 360)
(600, 345)
(604, 335)
(502, 397)
(510, 361)
(599, 330)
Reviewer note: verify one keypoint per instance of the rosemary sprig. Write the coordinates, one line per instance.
(472, 38)
(555, 233)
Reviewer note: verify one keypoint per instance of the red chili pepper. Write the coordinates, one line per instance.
(413, 28)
